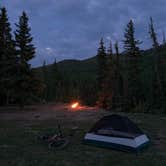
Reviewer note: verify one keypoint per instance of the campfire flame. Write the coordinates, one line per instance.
(75, 105)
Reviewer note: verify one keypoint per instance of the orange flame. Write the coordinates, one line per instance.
(75, 105)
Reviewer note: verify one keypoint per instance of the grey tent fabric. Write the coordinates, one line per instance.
(116, 132)
(116, 125)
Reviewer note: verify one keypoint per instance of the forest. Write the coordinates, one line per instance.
(133, 80)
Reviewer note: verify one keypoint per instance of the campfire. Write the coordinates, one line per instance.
(75, 105)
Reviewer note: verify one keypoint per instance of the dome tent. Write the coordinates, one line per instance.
(117, 132)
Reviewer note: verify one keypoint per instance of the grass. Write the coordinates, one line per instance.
(19, 145)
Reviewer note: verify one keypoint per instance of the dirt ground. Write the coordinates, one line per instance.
(63, 111)
(27, 123)
(51, 111)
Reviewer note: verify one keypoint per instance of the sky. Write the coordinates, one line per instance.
(72, 29)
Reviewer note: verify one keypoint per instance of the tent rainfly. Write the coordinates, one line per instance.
(117, 132)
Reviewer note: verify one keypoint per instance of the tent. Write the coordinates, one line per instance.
(117, 132)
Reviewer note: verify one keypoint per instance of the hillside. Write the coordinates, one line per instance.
(81, 74)
(75, 69)
(90, 65)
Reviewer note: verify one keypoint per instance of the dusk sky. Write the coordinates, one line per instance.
(71, 29)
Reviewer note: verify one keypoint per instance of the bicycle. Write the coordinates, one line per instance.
(57, 141)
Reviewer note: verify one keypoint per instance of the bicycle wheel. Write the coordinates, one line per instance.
(59, 144)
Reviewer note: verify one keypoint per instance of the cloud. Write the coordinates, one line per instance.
(72, 28)
(50, 51)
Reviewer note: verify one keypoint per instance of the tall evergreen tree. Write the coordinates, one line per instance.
(101, 59)
(45, 81)
(118, 97)
(54, 81)
(110, 50)
(159, 78)
(7, 58)
(153, 34)
(102, 67)
(133, 58)
(130, 43)
(117, 53)
(109, 81)
(25, 52)
(23, 40)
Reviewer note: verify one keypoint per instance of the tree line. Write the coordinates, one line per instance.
(120, 84)
(117, 82)
(18, 81)
(66, 84)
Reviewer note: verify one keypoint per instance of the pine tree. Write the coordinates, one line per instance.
(133, 58)
(23, 39)
(117, 54)
(101, 59)
(54, 80)
(25, 52)
(45, 81)
(118, 97)
(159, 79)
(130, 43)
(153, 34)
(109, 81)
(102, 67)
(7, 58)
(110, 50)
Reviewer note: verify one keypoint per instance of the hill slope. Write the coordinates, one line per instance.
(79, 76)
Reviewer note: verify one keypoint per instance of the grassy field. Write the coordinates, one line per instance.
(19, 145)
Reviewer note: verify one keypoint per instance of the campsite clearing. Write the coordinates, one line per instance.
(19, 145)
